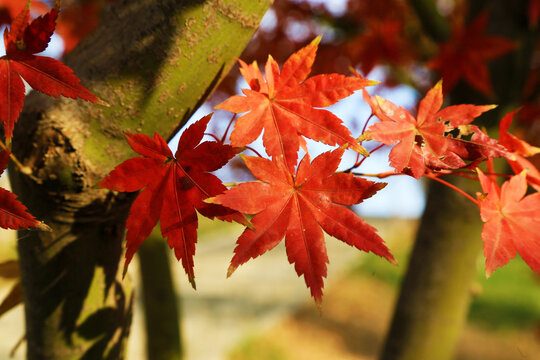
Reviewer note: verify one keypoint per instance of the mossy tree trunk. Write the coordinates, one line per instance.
(153, 62)
(435, 294)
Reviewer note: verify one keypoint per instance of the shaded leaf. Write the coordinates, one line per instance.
(173, 188)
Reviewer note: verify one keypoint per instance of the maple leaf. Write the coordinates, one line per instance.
(173, 188)
(284, 105)
(297, 208)
(422, 141)
(466, 54)
(518, 150)
(13, 214)
(77, 21)
(44, 74)
(511, 222)
(9, 9)
(383, 41)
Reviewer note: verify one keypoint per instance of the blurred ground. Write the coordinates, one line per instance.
(264, 310)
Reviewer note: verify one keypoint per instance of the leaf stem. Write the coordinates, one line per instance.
(365, 125)
(227, 129)
(252, 149)
(371, 152)
(23, 169)
(451, 186)
(358, 162)
(213, 136)
(380, 175)
(491, 170)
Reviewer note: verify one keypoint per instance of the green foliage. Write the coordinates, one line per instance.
(508, 300)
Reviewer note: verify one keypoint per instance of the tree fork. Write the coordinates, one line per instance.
(153, 62)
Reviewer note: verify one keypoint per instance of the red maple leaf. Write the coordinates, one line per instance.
(422, 141)
(44, 74)
(78, 20)
(297, 207)
(9, 9)
(284, 106)
(518, 150)
(173, 187)
(511, 222)
(466, 54)
(383, 41)
(13, 214)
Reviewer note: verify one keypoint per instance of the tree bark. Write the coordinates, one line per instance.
(153, 62)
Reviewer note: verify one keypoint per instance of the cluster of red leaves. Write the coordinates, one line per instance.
(299, 202)
(425, 141)
(437, 141)
(22, 40)
(288, 201)
(42, 73)
(285, 203)
(77, 19)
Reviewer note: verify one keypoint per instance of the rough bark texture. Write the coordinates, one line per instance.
(153, 62)
(435, 294)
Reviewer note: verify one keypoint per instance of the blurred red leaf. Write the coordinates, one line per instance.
(466, 54)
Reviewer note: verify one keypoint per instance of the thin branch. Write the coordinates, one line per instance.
(379, 175)
(252, 149)
(451, 186)
(227, 129)
(366, 124)
(213, 136)
(22, 168)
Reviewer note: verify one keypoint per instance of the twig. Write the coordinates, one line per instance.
(451, 186)
(227, 130)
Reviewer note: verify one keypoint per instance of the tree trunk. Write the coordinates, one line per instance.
(153, 62)
(161, 312)
(434, 299)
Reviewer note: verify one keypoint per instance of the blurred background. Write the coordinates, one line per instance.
(264, 310)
